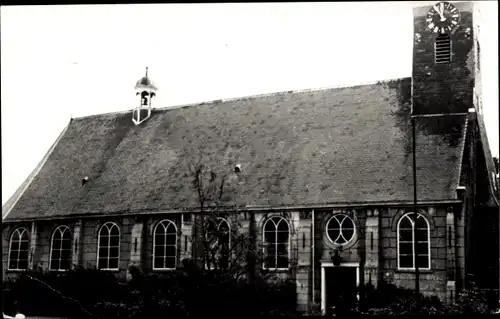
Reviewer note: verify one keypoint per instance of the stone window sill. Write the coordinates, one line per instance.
(412, 271)
(17, 270)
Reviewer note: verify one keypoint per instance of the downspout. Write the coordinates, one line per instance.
(313, 262)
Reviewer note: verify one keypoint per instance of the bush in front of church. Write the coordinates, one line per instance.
(388, 299)
(87, 293)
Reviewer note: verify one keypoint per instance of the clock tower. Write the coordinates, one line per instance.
(446, 68)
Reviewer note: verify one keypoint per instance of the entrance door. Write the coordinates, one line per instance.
(341, 292)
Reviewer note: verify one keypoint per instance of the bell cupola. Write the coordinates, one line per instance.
(145, 90)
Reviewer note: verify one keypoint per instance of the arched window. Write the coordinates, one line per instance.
(442, 49)
(340, 229)
(413, 235)
(19, 249)
(60, 249)
(108, 247)
(165, 245)
(276, 243)
(219, 243)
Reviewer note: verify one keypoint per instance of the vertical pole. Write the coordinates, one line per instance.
(415, 213)
(497, 181)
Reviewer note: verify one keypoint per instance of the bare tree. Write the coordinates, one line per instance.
(218, 242)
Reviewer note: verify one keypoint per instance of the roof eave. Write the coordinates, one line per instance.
(352, 205)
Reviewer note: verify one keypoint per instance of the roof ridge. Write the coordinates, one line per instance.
(278, 93)
(248, 97)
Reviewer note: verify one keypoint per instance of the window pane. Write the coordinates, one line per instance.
(103, 263)
(269, 226)
(406, 261)
(159, 251)
(405, 248)
(170, 251)
(15, 245)
(103, 252)
(159, 239)
(56, 254)
(114, 241)
(113, 263)
(171, 239)
(23, 264)
(348, 233)
(282, 248)
(283, 261)
(13, 264)
(283, 237)
(347, 222)
(114, 231)
(56, 242)
(421, 223)
(23, 254)
(421, 235)
(333, 223)
(270, 237)
(283, 226)
(341, 240)
(334, 234)
(224, 238)
(158, 262)
(54, 264)
(422, 248)
(405, 223)
(270, 261)
(271, 249)
(14, 254)
(170, 262)
(65, 263)
(66, 244)
(66, 254)
(24, 245)
(405, 235)
(114, 252)
(423, 261)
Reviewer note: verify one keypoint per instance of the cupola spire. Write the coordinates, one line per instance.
(145, 90)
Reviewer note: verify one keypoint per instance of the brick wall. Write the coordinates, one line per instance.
(443, 88)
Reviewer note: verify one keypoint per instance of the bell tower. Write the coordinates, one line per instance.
(145, 90)
(446, 66)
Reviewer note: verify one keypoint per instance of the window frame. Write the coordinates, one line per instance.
(221, 220)
(17, 230)
(354, 233)
(113, 224)
(66, 228)
(276, 243)
(398, 252)
(176, 244)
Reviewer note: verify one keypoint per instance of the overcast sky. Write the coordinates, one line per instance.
(69, 61)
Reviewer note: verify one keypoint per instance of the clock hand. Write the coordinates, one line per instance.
(440, 13)
(441, 6)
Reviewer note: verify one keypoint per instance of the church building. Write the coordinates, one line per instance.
(324, 178)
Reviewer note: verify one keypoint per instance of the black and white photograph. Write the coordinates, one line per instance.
(174, 160)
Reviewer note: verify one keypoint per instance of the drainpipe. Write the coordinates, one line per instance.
(313, 262)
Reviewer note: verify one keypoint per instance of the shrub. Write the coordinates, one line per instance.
(390, 300)
(181, 293)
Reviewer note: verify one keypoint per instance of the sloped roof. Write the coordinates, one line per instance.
(341, 145)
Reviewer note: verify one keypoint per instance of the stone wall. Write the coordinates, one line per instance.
(373, 249)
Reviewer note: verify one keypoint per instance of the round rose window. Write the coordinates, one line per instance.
(340, 229)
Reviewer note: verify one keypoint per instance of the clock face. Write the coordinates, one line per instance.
(443, 17)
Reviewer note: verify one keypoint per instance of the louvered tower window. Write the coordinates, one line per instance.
(442, 49)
